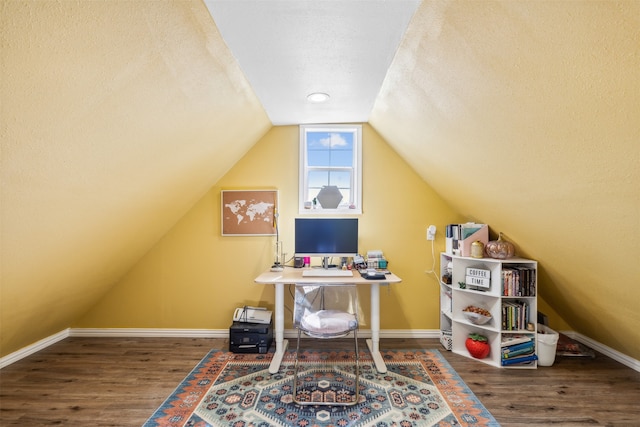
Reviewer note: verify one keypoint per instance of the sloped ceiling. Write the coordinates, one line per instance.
(524, 115)
(117, 116)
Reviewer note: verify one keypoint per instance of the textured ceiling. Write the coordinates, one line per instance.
(289, 49)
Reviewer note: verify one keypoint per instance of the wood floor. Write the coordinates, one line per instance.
(121, 381)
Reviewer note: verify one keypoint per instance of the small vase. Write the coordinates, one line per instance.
(500, 249)
(477, 249)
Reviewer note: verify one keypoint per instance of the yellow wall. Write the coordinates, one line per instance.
(115, 118)
(194, 277)
(526, 116)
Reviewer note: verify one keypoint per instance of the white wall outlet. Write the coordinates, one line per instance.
(431, 232)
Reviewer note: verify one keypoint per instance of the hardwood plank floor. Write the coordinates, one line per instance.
(121, 381)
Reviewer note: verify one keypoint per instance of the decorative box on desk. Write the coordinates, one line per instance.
(250, 337)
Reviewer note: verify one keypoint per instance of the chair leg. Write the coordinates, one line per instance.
(356, 399)
(357, 396)
(295, 373)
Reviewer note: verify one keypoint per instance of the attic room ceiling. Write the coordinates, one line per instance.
(291, 49)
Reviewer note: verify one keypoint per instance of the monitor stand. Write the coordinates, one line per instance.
(325, 263)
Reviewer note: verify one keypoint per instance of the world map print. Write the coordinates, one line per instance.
(243, 209)
(248, 212)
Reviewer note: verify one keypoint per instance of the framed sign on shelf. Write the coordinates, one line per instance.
(249, 212)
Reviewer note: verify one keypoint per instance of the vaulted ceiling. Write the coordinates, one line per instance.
(116, 117)
(291, 49)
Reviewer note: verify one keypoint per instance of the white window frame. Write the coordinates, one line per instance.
(356, 176)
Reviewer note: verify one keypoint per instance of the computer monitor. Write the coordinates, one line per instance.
(326, 237)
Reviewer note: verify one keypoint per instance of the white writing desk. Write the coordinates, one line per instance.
(293, 276)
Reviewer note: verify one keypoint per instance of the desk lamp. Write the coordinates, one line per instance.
(278, 255)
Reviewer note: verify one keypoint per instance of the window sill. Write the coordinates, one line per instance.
(320, 211)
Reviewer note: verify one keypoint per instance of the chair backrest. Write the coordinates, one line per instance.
(326, 311)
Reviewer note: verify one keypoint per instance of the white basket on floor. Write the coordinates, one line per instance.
(445, 339)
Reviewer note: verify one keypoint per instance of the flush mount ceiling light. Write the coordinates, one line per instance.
(319, 45)
(317, 97)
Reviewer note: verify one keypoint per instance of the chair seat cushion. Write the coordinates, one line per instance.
(328, 322)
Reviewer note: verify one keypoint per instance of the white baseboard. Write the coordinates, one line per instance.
(149, 333)
(33, 348)
(289, 333)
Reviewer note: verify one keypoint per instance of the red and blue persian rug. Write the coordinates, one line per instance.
(420, 388)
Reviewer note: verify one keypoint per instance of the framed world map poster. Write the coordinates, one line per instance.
(249, 212)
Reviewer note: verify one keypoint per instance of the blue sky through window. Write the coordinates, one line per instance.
(325, 152)
(330, 156)
(332, 149)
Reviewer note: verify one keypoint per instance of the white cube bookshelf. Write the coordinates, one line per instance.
(511, 298)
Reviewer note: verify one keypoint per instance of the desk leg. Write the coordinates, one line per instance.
(373, 343)
(281, 343)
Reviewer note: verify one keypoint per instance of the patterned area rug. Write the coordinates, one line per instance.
(420, 388)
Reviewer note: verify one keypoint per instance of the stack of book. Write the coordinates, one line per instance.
(518, 349)
(515, 315)
(518, 281)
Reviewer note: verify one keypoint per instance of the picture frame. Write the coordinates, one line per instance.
(248, 212)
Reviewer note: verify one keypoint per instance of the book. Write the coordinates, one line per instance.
(517, 346)
(515, 315)
(512, 339)
(518, 281)
(519, 359)
(508, 353)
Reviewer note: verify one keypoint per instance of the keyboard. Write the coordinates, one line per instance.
(321, 272)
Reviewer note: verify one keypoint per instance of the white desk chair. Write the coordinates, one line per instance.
(324, 312)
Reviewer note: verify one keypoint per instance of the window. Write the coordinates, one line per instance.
(330, 156)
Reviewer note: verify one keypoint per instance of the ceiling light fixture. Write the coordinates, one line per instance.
(317, 97)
